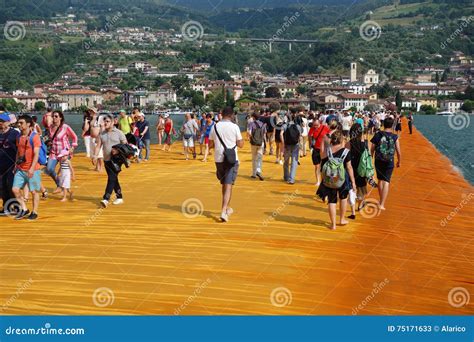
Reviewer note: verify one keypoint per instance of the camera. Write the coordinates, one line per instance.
(20, 160)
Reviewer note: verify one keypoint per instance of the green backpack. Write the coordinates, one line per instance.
(333, 171)
(365, 168)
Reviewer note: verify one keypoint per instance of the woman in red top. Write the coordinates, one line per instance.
(169, 131)
(316, 135)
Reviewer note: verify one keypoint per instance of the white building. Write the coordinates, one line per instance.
(358, 101)
(371, 78)
(451, 105)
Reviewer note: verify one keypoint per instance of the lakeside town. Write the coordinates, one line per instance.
(428, 88)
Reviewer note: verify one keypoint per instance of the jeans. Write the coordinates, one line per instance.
(257, 155)
(112, 181)
(51, 170)
(7, 184)
(289, 172)
(145, 142)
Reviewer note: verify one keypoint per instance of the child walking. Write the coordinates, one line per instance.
(66, 173)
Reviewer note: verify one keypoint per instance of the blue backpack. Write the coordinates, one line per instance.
(43, 152)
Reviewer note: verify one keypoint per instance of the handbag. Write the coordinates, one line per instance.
(49, 142)
(230, 157)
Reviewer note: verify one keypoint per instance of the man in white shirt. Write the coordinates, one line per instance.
(226, 135)
(346, 124)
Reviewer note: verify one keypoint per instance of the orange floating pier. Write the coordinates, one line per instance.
(276, 255)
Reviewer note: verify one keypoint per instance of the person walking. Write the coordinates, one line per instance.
(143, 127)
(257, 132)
(411, 119)
(209, 125)
(336, 167)
(189, 129)
(384, 146)
(110, 137)
(316, 136)
(290, 138)
(169, 131)
(27, 168)
(160, 127)
(61, 136)
(226, 138)
(8, 152)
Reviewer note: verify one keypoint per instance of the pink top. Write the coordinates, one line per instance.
(61, 141)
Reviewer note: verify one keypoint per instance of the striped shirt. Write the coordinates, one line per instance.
(61, 141)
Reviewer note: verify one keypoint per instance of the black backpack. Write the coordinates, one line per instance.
(256, 138)
(292, 135)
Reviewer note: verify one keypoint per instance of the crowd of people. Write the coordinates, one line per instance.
(338, 142)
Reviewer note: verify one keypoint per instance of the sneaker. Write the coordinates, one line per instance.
(259, 175)
(104, 203)
(118, 201)
(229, 211)
(291, 183)
(253, 177)
(22, 214)
(281, 162)
(352, 217)
(44, 195)
(224, 217)
(33, 216)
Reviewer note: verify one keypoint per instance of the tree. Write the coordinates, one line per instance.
(398, 100)
(272, 92)
(217, 101)
(385, 91)
(229, 99)
(468, 106)
(179, 83)
(39, 106)
(444, 77)
(198, 100)
(302, 89)
(427, 109)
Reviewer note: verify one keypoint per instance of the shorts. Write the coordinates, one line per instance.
(202, 139)
(21, 179)
(65, 178)
(226, 173)
(384, 170)
(332, 194)
(206, 140)
(316, 156)
(188, 142)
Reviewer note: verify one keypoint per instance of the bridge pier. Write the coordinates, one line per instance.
(270, 47)
(289, 46)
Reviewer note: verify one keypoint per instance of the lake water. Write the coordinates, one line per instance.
(457, 145)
